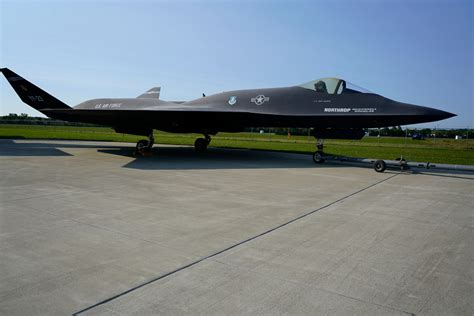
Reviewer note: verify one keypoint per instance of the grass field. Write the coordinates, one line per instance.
(432, 150)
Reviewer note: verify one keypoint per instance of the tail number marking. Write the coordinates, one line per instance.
(36, 98)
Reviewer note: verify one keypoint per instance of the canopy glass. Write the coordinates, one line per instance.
(333, 86)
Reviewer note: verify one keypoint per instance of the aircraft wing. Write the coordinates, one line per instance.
(177, 118)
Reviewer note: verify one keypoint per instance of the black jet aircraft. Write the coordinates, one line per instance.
(332, 107)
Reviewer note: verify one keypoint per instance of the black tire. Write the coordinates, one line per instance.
(380, 166)
(200, 145)
(318, 157)
(142, 144)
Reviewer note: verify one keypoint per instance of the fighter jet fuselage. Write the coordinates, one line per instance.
(332, 107)
(235, 110)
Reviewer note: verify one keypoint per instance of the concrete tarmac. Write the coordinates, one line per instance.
(88, 229)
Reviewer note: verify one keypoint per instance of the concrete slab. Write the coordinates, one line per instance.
(83, 222)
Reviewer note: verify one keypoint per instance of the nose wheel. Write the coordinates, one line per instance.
(144, 146)
(318, 156)
(200, 145)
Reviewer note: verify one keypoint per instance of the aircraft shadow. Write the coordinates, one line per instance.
(163, 157)
(10, 148)
(12, 137)
(179, 158)
(182, 158)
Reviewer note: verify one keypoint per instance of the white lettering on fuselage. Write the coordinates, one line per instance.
(107, 105)
(364, 110)
(337, 110)
(346, 110)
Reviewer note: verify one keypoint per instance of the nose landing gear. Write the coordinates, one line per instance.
(318, 156)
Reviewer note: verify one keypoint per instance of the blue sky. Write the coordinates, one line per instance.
(419, 52)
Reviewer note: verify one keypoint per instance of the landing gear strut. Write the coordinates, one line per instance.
(144, 146)
(318, 156)
(201, 144)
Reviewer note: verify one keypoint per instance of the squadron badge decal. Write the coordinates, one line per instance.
(232, 100)
(260, 99)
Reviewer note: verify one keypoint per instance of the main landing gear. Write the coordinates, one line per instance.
(318, 156)
(200, 145)
(144, 146)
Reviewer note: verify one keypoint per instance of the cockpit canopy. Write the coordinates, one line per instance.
(333, 86)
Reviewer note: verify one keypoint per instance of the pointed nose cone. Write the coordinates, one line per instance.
(440, 115)
(423, 114)
(447, 115)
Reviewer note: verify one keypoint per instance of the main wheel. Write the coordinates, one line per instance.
(142, 144)
(200, 144)
(318, 157)
(143, 148)
(380, 166)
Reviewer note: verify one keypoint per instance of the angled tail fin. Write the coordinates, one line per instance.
(153, 93)
(31, 94)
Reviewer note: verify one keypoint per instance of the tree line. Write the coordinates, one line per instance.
(24, 118)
